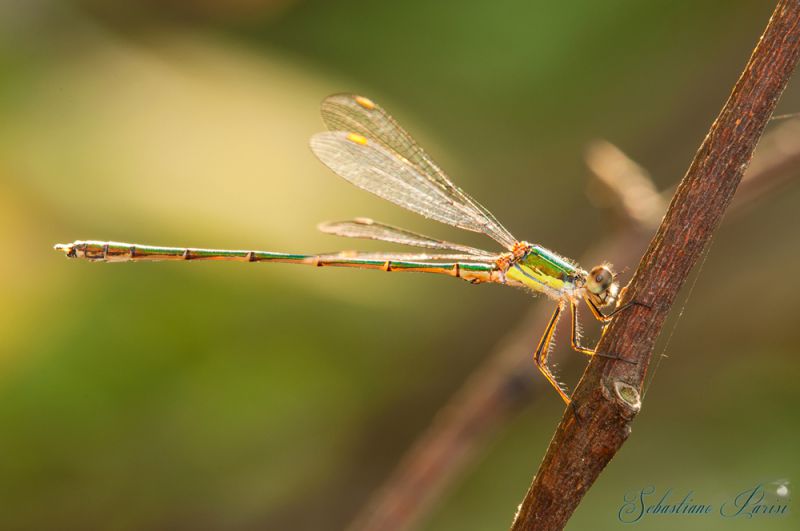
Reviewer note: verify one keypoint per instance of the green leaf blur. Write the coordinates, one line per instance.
(236, 396)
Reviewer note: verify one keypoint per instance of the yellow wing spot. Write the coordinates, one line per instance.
(365, 102)
(357, 139)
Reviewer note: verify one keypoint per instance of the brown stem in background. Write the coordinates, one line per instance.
(507, 381)
(607, 398)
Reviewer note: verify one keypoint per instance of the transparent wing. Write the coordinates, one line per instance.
(355, 114)
(372, 230)
(372, 167)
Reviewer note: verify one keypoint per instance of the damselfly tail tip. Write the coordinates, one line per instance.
(66, 248)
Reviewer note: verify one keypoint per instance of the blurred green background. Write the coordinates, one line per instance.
(227, 396)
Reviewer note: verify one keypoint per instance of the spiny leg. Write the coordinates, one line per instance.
(575, 340)
(603, 318)
(542, 351)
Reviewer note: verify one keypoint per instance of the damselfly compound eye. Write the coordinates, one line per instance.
(600, 279)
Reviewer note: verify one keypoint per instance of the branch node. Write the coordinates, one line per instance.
(628, 396)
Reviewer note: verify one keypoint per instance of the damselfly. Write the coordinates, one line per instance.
(368, 148)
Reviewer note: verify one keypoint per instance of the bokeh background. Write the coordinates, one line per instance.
(233, 396)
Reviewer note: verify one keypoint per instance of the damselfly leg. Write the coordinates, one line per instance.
(575, 336)
(603, 318)
(543, 350)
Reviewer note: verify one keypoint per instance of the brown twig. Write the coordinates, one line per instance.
(507, 380)
(608, 395)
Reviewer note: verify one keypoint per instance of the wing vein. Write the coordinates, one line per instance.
(389, 163)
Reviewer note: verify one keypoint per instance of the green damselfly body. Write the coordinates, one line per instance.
(367, 147)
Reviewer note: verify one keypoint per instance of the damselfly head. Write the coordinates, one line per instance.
(600, 285)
